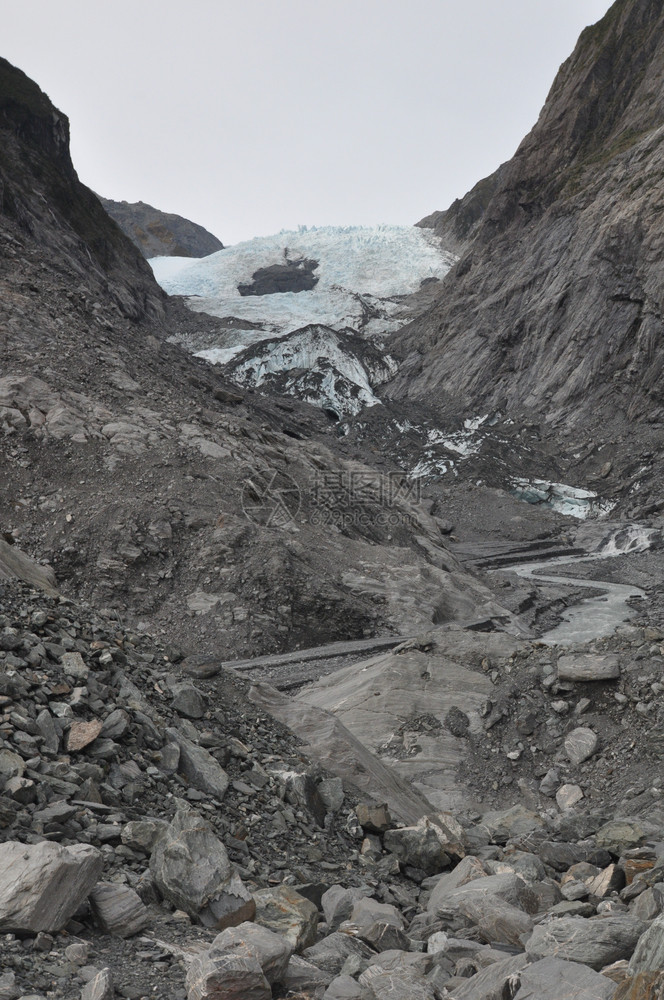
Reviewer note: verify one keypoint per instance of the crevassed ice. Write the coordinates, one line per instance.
(570, 500)
(355, 263)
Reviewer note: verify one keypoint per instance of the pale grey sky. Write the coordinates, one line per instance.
(255, 115)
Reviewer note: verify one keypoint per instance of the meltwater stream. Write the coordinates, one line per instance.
(594, 616)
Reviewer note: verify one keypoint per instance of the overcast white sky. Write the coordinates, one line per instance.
(249, 116)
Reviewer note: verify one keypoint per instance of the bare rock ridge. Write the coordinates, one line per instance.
(161, 234)
(42, 197)
(556, 305)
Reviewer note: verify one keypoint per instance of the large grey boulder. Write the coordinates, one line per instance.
(649, 952)
(491, 983)
(596, 942)
(226, 977)
(428, 845)
(396, 984)
(589, 667)
(100, 987)
(191, 869)
(41, 885)
(468, 870)
(337, 904)
(508, 887)
(118, 909)
(199, 767)
(496, 919)
(552, 978)
(331, 953)
(272, 951)
(286, 912)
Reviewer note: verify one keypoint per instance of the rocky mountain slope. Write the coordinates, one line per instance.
(161, 234)
(149, 484)
(555, 308)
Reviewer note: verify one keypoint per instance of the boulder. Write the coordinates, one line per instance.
(374, 818)
(188, 701)
(649, 952)
(396, 984)
(492, 983)
(643, 986)
(337, 904)
(286, 912)
(553, 978)
(100, 987)
(496, 919)
(304, 977)
(596, 942)
(331, 953)
(619, 835)
(468, 870)
(567, 796)
(345, 988)
(588, 667)
(199, 767)
(118, 910)
(41, 885)
(226, 977)
(425, 846)
(191, 869)
(272, 951)
(580, 744)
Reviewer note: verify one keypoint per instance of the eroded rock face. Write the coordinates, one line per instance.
(191, 869)
(556, 306)
(161, 234)
(41, 885)
(292, 276)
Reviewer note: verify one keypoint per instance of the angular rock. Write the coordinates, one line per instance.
(41, 885)
(396, 984)
(118, 909)
(608, 881)
(81, 734)
(517, 821)
(567, 796)
(580, 744)
(492, 983)
(366, 911)
(425, 846)
(188, 701)
(190, 867)
(226, 977)
(11, 766)
(331, 953)
(143, 834)
(649, 952)
(470, 869)
(272, 951)
(620, 835)
(199, 767)
(643, 986)
(375, 819)
(345, 988)
(337, 904)
(496, 919)
(100, 988)
(589, 667)
(116, 724)
(303, 977)
(286, 912)
(74, 666)
(596, 942)
(553, 978)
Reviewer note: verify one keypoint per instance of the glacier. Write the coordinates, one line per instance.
(362, 273)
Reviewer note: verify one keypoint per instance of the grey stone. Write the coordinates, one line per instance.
(100, 988)
(118, 909)
(517, 821)
(8, 988)
(199, 767)
(345, 988)
(580, 744)
(589, 667)
(74, 666)
(337, 904)
(272, 951)
(595, 942)
(492, 983)
(508, 887)
(51, 735)
(549, 783)
(496, 919)
(286, 912)
(331, 953)
(143, 834)
(331, 791)
(11, 765)
(620, 835)
(189, 701)
(375, 818)
(41, 885)
(190, 867)
(468, 870)
(649, 952)
(226, 977)
(424, 846)
(116, 724)
(396, 984)
(384, 936)
(366, 911)
(568, 796)
(553, 978)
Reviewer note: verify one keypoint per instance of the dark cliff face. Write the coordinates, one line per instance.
(161, 234)
(43, 201)
(556, 305)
